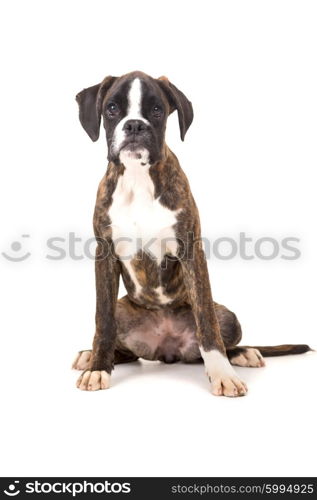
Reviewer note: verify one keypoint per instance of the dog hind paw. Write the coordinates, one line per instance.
(81, 361)
(248, 357)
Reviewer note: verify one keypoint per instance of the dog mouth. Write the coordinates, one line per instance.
(134, 149)
(143, 148)
(132, 145)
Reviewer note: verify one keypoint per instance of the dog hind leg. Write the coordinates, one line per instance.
(231, 333)
(82, 359)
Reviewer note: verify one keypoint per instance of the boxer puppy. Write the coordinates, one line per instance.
(147, 227)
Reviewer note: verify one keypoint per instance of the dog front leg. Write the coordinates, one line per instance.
(222, 376)
(97, 375)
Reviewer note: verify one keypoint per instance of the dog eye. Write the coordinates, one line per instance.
(157, 111)
(112, 108)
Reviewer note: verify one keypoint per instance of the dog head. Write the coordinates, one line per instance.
(134, 108)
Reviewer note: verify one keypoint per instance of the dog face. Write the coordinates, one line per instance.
(134, 109)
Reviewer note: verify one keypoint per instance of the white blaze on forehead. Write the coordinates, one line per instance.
(135, 100)
(134, 112)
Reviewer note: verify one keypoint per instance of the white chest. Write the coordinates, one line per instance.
(139, 221)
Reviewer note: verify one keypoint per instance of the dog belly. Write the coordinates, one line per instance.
(163, 336)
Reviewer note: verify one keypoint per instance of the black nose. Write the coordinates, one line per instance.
(134, 127)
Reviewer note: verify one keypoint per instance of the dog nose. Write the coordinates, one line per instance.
(134, 127)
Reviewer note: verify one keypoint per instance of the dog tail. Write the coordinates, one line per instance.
(283, 350)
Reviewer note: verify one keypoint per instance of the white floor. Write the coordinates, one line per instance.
(161, 420)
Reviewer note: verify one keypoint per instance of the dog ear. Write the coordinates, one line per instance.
(177, 100)
(90, 106)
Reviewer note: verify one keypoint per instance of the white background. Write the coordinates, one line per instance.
(249, 68)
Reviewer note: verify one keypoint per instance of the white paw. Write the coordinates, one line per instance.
(223, 379)
(93, 381)
(228, 386)
(82, 360)
(250, 357)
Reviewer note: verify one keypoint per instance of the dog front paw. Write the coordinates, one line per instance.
(94, 380)
(223, 379)
(230, 386)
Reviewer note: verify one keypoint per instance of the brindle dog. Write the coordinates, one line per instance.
(147, 227)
